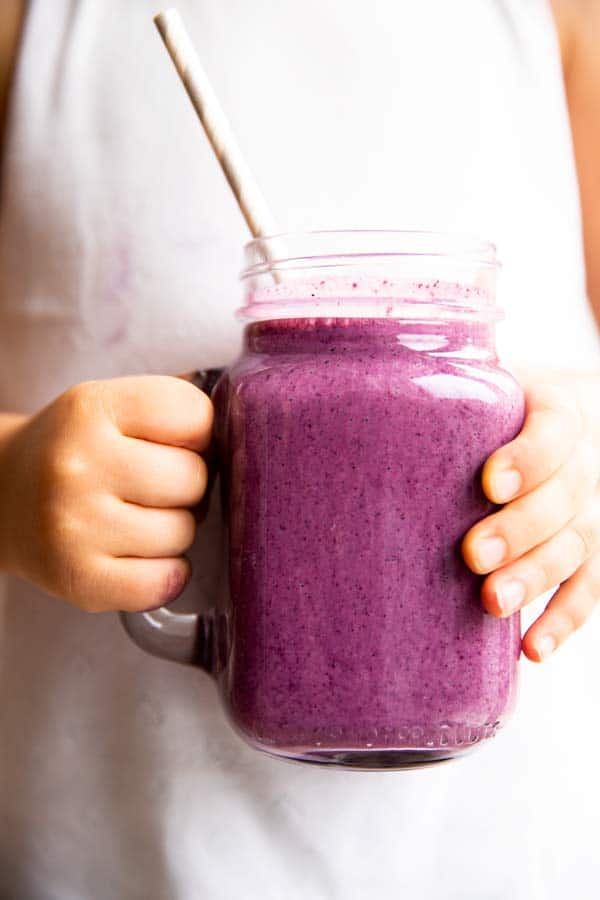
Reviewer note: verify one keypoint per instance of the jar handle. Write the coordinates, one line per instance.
(188, 638)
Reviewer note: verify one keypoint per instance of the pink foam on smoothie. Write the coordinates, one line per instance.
(367, 296)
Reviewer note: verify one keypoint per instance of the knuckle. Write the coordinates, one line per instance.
(541, 575)
(49, 511)
(73, 397)
(68, 532)
(521, 531)
(57, 518)
(69, 465)
(555, 418)
(524, 449)
(64, 466)
(569, 493)
(575, 616)
(78, 399)
(584, 537)
(577, 481)
(584, 599)
(54, 523)
(566, 620)
(543, 443)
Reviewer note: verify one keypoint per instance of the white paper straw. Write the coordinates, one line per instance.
(217, 128)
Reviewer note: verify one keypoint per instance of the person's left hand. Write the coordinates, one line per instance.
(549, 531)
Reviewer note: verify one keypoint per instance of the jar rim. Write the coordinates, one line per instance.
(370, 273)
(278, 252)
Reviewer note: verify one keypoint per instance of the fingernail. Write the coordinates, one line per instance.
(506, 484)
(490, 552)
(511, 596)
(175, 586)
(545, 646)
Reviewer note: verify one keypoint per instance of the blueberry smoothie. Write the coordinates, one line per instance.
(354, 447)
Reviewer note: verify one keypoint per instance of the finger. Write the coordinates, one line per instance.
(162, 409)
(543, 445)
(130, 530)
(530, 520)
(135, 584)
(155, 475)
(568, 610)
(514, 586)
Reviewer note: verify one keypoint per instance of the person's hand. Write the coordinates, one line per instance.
(95, 492)
(549, 531)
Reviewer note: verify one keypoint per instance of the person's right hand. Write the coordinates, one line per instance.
(95, 492)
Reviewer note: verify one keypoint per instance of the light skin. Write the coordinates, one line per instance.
(548, 532)
(96, 489)
(550, 525)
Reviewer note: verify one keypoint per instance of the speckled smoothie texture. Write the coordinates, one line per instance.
(355, 448)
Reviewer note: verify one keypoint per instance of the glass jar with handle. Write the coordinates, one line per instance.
(350, 436)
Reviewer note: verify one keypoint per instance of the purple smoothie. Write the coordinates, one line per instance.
(355, 448)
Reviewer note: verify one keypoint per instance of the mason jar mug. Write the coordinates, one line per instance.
(349, 440)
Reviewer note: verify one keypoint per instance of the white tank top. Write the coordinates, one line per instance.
(119, 251)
